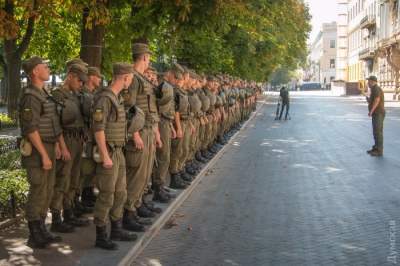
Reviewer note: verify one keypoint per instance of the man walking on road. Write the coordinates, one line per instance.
(376, 108)
(284, 94)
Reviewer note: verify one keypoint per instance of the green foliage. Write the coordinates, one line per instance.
(12, 183)
(6, 121)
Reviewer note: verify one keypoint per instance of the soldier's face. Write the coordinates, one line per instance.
(42, 71)
(75, 81)
(95, 80)
(128, 80)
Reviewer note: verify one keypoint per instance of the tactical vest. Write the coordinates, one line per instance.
(166, 105)
(218, 101)
(146, 99)
(115, 131)
(205, 101)
(195, 104)
(71, 114)
(49, 123)
(183, 107)
(86, 102)
(213, 99)
(136, 120)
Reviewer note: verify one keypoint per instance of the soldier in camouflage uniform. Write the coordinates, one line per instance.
(40, 130)
(68, 166)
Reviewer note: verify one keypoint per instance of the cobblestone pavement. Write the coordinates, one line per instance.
(298, 192)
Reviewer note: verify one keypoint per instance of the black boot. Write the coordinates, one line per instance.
(118, 234)
(186, 177)
(177, 182)
(200, 158)
(36, 238)
(190, 169)
(57, 225)
(144, 212)
(50, 238)
(130, 223)
(160, 195)
(88, 197)
(70, 218)
(80, 209)
(150, 206)
(102, 240)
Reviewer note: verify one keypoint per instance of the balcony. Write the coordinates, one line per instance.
(366, 54)
(368, 22)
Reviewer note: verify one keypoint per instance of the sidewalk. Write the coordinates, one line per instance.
(78, 248)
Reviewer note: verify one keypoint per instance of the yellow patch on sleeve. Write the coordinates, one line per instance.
(27, 114)
(98, 115)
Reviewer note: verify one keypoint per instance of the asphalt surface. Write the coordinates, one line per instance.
(298, 192)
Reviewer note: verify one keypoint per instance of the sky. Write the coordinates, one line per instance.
(321, 11)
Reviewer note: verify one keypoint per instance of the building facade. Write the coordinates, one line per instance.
(373, 42)
(322, 56)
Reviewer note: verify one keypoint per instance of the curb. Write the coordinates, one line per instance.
(146, 238)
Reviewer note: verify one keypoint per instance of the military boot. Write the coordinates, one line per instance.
(177, 182)
(200, 158)
(80, 209)
(102, 240)
(190, 169)
(58, 225)
(130, 223)
(88, 197)
(185, 176)
(71, 219)
(160, 195)
(50, 238)
(118, 234)
(144, 212)
(152, 207)
(36, 238)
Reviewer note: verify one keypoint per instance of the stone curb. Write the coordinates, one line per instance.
(145, 239)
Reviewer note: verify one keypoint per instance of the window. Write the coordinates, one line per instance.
(332, 44)
(332, 63)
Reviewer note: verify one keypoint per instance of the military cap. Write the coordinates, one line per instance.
(122, 69)
(29, 64)
(80, 70)
(75, 61)
(140, 48)
(177, 70)
(94, 71)
(373, 78)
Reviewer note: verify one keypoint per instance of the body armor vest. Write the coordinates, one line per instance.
(146, 98)
(183, 106)
(49, 124)
(205, 101)
(115, 131)
(195, 104)
(166, 105)
(213, 99)
(71, 115)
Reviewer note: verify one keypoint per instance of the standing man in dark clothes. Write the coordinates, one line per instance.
(284, 94)
(376, 108)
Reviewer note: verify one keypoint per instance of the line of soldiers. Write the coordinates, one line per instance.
(146, 133)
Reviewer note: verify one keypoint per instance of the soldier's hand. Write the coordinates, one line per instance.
(65, 155)
(179, 134)
(58, 152)
(107, 163)
(46, 163)
(173, 133)
(138, 142)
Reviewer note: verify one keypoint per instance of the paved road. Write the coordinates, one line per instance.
(300, 192)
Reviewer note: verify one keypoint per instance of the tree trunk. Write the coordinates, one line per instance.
(91, 42)
(13, 85)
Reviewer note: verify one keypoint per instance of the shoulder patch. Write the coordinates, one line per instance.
(98, 115)
(27, 114)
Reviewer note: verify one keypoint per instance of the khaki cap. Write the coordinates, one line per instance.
(74, 62)
(80, 70)
(29, 64)
(140, 48)
(122, 69)
(94, 71)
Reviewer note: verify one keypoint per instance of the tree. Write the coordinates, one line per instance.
(18, 19)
